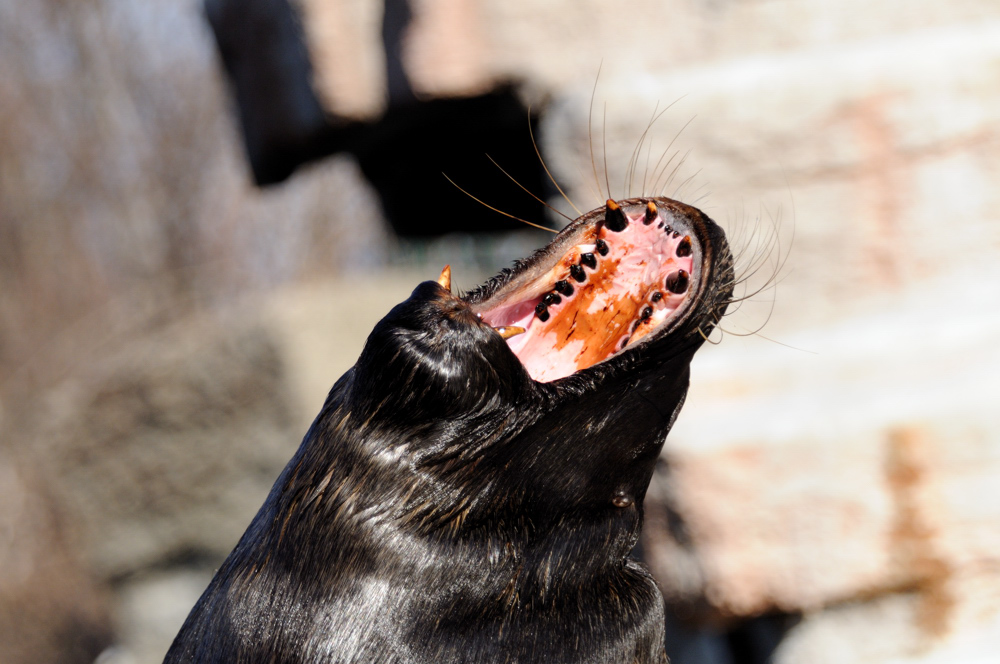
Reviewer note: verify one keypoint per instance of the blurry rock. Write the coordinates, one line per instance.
(797, 481)
(881, 630)
(886, 629)
(150, 611)
(165, 451)
(843, 149)
(51, 609)
(321, 327)
(161, 454)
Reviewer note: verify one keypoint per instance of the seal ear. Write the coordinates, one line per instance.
(431, 358)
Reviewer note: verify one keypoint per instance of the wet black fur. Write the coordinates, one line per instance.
(444, 507)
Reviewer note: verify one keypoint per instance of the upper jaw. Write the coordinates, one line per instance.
(632, 310)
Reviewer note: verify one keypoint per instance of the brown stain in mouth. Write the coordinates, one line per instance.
(607, 291)
(602, 330)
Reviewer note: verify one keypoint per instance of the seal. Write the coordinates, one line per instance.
(472, 488)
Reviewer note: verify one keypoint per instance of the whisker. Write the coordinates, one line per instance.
(704, 196)
(676, 168)
(765, 248)
(757, 251)
(707, 340)
(637, 151)
(527, 191)
(590, 130)
(534, 144)
(757, 333)
(656, 168)
(506, 214)
(677, 192)
(604, 141)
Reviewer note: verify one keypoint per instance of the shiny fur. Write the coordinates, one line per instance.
(446, 508)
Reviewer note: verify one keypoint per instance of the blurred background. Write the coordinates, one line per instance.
(205, 207)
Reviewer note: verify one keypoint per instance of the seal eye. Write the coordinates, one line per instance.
(621, 500)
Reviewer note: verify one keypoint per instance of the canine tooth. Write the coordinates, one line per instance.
(614, 217)
(445, 278)
(651, 213)
(589, 260)
(509, 331)
(577, 273)
(602, 247)
(684, 248)
(677, 282)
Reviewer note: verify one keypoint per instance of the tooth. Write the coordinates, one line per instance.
(646, 313)
(509, 331)
(564, 287)
(551, 298)
(577, 273)
(677, 282)
(445, 278)
(589, 260)
(614, 217)
(602, 247)
(657, 296)
(684, 248)
(651, 213)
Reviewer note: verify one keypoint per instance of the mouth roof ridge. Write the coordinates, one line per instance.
(614, 277)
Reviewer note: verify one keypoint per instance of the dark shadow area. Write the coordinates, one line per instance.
(751, 641)
(754, 641)
(748, 641)
(263, 50)
(405, 153)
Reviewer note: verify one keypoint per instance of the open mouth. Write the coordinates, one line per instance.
(607, 281)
